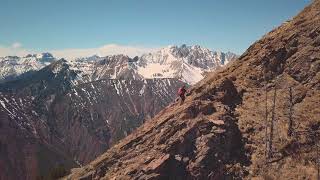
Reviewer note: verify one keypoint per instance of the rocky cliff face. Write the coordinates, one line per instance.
(222, 128)
(49, 120)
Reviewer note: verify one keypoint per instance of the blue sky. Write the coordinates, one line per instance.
(227, 25)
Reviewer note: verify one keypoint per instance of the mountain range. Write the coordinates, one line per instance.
(61, 114)
(187, 63)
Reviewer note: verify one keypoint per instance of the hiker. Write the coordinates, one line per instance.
(181, 92)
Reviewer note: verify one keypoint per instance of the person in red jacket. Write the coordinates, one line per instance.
(181, 92)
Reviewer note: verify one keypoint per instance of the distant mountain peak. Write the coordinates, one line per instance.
(188, 63)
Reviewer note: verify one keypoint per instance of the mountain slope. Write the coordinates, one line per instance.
(53, 119)
(219, 132)
(101, 113)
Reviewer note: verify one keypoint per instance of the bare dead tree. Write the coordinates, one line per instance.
(266, 123)
(290, 123)
(272, 123)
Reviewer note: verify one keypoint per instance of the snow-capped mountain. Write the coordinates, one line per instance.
(13, 66)
(187, 63)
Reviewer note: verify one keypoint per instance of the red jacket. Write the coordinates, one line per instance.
(181, 91)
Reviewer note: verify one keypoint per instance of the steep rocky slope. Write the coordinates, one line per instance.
(219, 132)
(48, 121)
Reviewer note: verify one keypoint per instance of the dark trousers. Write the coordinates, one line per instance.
(182, 97)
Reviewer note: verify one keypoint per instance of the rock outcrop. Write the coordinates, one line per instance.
(219, 131)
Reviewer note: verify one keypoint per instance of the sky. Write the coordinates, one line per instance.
(71, 28)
